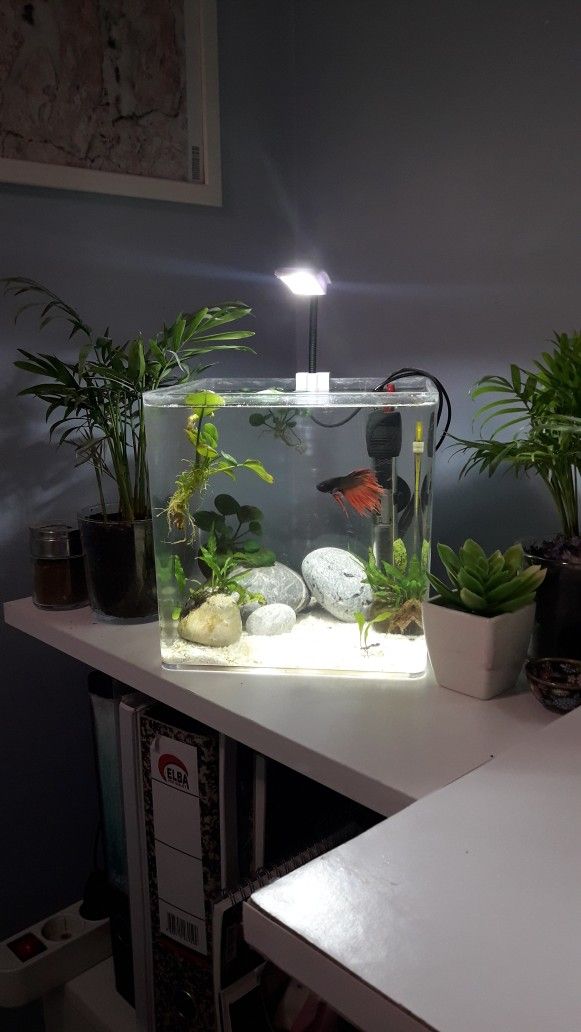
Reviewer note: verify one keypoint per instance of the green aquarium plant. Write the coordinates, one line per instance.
(536, 420)
(171, 579)
(96, 398)
(226, 575)
(398, 590)
(237, 529)
(281, 423)
(486, 585)
(208, 461)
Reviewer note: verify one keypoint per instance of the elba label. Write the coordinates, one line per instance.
(175, 764)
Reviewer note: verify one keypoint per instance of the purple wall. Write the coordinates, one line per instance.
(128, 264)
(438, 161)
(431, 152)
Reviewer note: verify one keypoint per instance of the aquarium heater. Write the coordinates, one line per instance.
(383, 438)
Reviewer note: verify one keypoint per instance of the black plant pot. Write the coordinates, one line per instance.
(120, 566)
(557, 630)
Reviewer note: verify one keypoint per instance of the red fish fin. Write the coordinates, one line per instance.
(365, 492)
(338, 497)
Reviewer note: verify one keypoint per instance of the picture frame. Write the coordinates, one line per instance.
(201, 140)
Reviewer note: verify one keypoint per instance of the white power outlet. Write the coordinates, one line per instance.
(50, 953)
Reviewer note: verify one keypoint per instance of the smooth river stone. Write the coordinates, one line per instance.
(274, 619)
(216, 622)
(337, 581)
(277, 583)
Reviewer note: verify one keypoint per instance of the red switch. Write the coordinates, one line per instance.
(26, 947)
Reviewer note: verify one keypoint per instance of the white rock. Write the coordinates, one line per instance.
(277, 583)
(216, 622)
(274, 619)
(337, 581)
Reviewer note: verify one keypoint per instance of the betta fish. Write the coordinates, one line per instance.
(360, 489)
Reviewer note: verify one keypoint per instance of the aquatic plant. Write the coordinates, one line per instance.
(208, 462)
(98, 396)
(171, 578)
(544, 407)
(281, 423)
(225, 578)
(398, 589)
(400, 554)
(487, 586)
(241, 534)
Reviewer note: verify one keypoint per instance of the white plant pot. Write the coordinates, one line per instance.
(477, 655)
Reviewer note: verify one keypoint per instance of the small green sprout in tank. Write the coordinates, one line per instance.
(225, 578)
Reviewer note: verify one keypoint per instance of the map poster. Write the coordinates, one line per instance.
(111, 96)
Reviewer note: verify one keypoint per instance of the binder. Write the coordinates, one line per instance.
(195, 804)
(191, 832)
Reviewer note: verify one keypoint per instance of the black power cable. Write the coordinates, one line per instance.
(404, 374)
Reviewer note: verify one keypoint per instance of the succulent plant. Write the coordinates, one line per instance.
(485, 585)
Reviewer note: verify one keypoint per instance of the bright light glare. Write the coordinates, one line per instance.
(308, 282)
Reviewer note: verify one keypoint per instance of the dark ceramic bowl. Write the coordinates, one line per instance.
(556, 683)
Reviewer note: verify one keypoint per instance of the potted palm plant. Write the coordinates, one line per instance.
(97, 404)
(478, 627)
(536, 426)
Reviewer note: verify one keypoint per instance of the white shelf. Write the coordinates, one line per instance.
(89, 1003)
(382, 743)
(460, 913)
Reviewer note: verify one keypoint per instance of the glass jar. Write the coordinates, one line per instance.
(57, 565)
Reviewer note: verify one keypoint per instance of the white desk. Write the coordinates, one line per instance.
(460, 913)
(382, 743)
(464, 910)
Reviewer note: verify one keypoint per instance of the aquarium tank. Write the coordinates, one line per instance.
(292, 529)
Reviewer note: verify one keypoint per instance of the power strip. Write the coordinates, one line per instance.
(50, 953)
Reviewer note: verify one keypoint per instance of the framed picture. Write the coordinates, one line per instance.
(111, 96)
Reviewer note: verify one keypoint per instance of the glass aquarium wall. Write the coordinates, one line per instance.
(292, 531)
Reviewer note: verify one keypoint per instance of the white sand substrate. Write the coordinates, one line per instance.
(317, 642)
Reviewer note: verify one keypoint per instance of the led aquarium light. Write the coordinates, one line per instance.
(311, 283)
(304, 281)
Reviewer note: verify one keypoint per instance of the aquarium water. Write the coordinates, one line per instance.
(292, 530)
